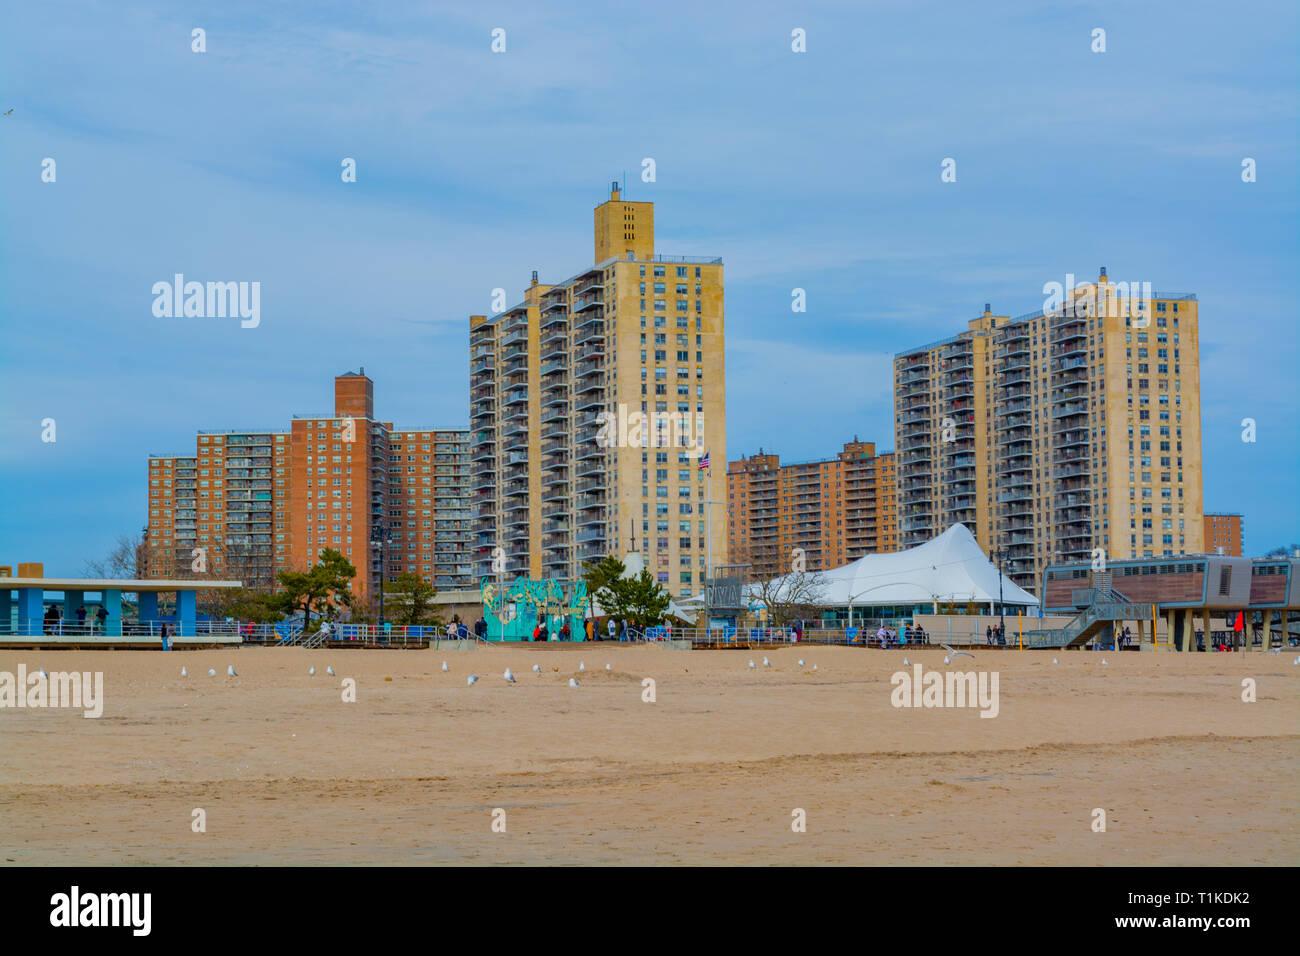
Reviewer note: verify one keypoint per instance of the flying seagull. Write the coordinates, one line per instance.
(469, 681)
(8, 111)
(956, 653)
(510, 678)
(230, 670)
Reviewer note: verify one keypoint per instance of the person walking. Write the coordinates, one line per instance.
(613, 629)
(102, 614)
(589, 628)
(988, 635)
(81, 619)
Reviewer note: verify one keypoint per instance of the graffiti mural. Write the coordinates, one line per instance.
(523, 603)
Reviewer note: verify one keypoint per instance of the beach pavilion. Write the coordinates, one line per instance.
(26, 600)
(949, 571)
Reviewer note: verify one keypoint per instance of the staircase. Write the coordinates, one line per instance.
(1106, 607)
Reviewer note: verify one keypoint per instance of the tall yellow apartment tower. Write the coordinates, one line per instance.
(592, 402)
(1067, 434)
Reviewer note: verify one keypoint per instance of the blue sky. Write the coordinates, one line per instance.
(817, 170)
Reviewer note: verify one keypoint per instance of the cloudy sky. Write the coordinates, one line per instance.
(818, 170)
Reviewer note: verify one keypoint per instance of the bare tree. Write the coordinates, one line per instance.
(791, 597)
(127, 559)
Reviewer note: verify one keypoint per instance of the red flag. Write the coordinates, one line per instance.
(1240, 623)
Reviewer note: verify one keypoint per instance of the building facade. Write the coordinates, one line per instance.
(591, 403)
(248, 504)
(1061, 435)
(1224, 531)
(823, 513)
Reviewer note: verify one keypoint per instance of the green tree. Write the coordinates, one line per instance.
(251, 604)
(324, 589)
(638, 600)
(414, 596)
(601, 577)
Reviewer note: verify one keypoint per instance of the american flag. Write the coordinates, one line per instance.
(704, 462)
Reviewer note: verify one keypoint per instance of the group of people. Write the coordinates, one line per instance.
(995, 634)
(911, 634)
(54, 619)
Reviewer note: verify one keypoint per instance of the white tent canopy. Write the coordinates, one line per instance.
(948, 569)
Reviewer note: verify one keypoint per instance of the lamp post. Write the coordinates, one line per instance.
(381, 543)
(1002, 620)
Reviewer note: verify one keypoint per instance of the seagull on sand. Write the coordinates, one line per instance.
(1103, 660)
(573, 682)
(184, 672)
(444, 667)
(537, 669)
(814, 667)
(956, 653)
(311, 671)
(581, 666)
(43, 674)
(211, 672)
(1055, 661)
(751, 662)
(906, 662)
(330, 671)
(608, 668)
(1275, 650)
(510, 678)
(230, 670)
(801, 662)
(766, 662)
(470, 680)
(946, 659)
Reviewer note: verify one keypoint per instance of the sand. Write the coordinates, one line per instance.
(710, 773)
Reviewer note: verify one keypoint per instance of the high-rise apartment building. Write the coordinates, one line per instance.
(833, 511)
(1223, 531)
(1061, 435)
(591, 402)
(248, 504)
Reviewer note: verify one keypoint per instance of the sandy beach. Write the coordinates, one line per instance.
(709, 773)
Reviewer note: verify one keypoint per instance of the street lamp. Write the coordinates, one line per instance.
(381, 543)
(999, 553)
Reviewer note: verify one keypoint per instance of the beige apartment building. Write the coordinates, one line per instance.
(591, 404)
(1066, 434)
(824, 513)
